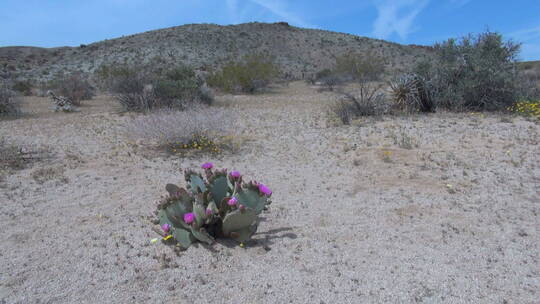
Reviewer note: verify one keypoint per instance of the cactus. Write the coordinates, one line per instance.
(221, 205)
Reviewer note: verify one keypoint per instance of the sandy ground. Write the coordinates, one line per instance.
(356, 217)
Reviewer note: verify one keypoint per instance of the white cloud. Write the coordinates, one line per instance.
(396, 16)
(279, 8)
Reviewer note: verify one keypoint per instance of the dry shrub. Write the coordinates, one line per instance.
(166, 127)
(367, 100)
(16, 157)
(9, 103)
(74, 87)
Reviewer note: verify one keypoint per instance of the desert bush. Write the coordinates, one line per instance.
(72, 86)
(223, 205)
(410, 92)
(140, 89)
(359, 66)
(367, 100)
(474, 73)
(9, 103)
(330, 82)
(23, 87)
(528, 86)
(198, 128)
(252, 73)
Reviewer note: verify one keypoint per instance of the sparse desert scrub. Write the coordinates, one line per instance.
(23, 87)
(360, 66)
(9, 103)
(72, 86)
(367, 100)
(251, 73)
(140, 89)
(198, 128)
(15, 157)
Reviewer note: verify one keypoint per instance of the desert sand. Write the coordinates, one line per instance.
(438, 208)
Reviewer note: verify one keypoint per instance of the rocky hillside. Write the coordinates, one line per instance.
(300, 52)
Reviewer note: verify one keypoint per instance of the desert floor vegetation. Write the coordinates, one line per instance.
(438, 207)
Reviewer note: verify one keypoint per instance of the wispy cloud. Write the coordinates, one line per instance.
(459, 3)
(530, 39)
(232, 10)
(396, 16)
(280, 9)
(526, 34)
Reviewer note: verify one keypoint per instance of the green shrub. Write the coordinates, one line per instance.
(474, 73)
(141, 88)
(252, 73)
(358, 66)
(23, 87)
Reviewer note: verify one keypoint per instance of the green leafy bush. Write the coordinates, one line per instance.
(252, 73)
(473, 73)
(223, 205)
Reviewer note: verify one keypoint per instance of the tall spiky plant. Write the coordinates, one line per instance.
(410, 92)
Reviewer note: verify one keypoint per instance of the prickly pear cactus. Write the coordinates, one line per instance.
(216, 204)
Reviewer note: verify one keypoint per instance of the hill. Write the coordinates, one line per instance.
(298, 51)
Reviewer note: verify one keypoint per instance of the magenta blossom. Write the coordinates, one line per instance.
(207, 166)
(189, 217)
(265, 190)
(232, 201)
(235, 174)
(209, 211)
(166, 228)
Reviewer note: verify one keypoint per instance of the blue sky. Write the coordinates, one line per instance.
(51, 23)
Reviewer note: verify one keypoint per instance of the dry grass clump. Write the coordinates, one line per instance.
(198, 128)
(16, 157)
(367, 100)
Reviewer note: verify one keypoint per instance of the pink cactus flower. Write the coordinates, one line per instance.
(241, 207)
(265, 190)
(207, 166)
(232, 201)
(235, 174)
(166, 228)
(209, 211)
(189, 218)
